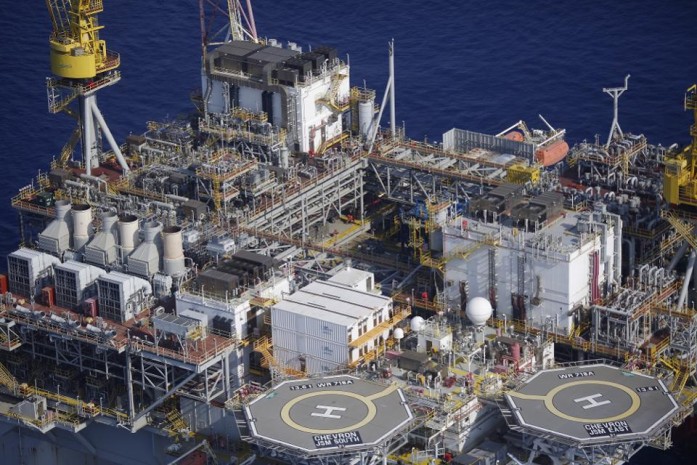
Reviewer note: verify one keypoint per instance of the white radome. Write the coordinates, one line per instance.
(417, 323)
(398, 333)
(479, 311)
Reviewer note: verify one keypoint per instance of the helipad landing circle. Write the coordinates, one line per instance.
(592, 404)
(317, 415)
(287, 411)
(633, 406)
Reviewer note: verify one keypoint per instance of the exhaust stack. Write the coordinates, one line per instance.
(145, 260)
(102, 248)
(55, 238)
(173, 251)
(128, 234)
(82, 218)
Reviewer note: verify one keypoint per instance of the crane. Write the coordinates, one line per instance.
(81, 65)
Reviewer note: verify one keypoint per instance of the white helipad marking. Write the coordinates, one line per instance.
(591, 401)
(327, 411)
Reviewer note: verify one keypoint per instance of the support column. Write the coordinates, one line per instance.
(129, 385)
(226, 375)
(87, 132)
(359, 174)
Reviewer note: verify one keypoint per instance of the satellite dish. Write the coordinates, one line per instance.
(417, 323)
(398, 333)
(479, 311)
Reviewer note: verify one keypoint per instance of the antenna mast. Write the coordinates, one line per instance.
(615, 93)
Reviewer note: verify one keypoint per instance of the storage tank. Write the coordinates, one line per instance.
(173, 251)
(82, 218)
(479, 311)
(128, 234)
(56, 237)
(365, 116)
(552, 153)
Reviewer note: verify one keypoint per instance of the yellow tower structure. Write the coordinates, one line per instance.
(82, 65)
(680, 183)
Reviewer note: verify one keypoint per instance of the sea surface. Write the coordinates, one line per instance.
(479, 65)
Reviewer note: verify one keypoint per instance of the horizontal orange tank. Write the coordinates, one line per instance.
(553, 153)
(514, 135)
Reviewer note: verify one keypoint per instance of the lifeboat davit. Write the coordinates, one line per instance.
(552, 153)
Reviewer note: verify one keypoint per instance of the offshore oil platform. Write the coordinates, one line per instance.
(279, 279)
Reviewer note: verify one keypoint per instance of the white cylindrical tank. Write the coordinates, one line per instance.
(82, 218)
(128, 233)
(365, 116)
(285, 153)
(417, 323)
(479, 311)
(173, 251)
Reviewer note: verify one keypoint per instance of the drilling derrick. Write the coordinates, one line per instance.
(81, 65)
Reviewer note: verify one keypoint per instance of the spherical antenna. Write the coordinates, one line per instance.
(479, 311)
(417, 323)
(398, 333)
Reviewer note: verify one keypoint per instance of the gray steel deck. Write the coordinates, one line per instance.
(318, 415)
(592, 404)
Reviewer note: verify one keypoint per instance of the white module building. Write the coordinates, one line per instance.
(330, 324)
(306, 94)
(541, 276)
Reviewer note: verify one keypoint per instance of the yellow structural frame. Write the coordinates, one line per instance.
(680, 177)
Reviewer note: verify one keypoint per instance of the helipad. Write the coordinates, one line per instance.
(323, 414)
(592, 404)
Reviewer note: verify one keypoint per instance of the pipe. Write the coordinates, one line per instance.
(686, 282)
(99, 181)
(632, 253)
(393, 116)
(618, 249)
(373, 130)
(678, 255)
(165, 205)
(178, 198)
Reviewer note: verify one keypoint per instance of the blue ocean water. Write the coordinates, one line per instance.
(479, 65)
